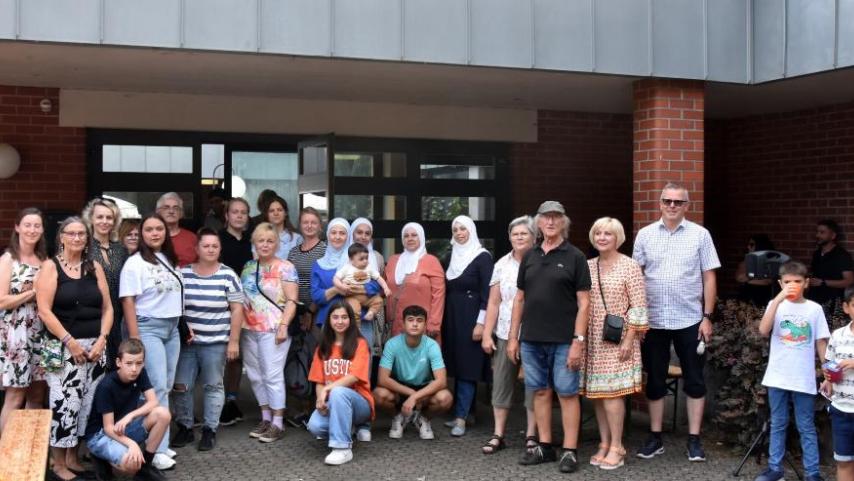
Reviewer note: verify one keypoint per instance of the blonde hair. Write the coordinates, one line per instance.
(263, 229)
(89, 211)
(608, 224)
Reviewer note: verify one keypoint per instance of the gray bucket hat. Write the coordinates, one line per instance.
(551, 206)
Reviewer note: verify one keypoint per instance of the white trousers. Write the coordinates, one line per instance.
(264, 361)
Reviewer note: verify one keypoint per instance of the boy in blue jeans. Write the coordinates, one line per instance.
(841, 392)
(798, 329)
(118, 424)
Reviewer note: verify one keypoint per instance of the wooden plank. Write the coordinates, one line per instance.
(24, 445)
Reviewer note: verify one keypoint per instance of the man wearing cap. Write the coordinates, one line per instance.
(551, 308)
(679, 261)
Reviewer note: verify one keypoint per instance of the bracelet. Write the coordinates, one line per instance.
(66, 339)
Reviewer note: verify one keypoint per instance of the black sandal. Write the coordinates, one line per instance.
(491, 448)
(531, 442)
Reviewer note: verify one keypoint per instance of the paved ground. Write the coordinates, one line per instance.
(300, 457)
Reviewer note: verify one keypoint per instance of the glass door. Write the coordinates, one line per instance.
(253, 171)
(315, 174)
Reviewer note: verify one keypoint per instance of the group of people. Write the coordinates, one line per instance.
(120, 318)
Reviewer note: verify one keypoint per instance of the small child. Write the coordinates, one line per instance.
(798, 329)
(841, 393)
(357, 273)
(118, 424)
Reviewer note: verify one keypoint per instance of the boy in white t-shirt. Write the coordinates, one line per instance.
(357, 272)
(841, 393)
(798, 329)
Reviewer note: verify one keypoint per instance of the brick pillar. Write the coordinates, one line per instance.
(668, 145)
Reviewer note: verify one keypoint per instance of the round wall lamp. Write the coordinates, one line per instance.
(10, 161)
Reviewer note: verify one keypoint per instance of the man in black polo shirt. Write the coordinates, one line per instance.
(236, 252)
(831, 264)
(552, 306)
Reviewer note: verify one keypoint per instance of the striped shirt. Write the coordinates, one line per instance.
(303, 260)
(206, 303)
(841, 347)
(673, 265)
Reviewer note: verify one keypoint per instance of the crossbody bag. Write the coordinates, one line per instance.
(183, 327)
(612, 328)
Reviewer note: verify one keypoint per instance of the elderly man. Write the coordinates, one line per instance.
(679, 262)
(552, 306)
(170, 206)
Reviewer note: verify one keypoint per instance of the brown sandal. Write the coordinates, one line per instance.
(608, 466)
(492, 448)
(596, 460)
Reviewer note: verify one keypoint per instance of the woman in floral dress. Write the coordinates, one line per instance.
(20, 327)
(612, 371)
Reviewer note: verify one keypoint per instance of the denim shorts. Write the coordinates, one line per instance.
(112, 451)
(545, 367)
(842, 424)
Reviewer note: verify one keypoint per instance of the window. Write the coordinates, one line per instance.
(151, 159)
(391, 207)
(385, 164)
(447, 208)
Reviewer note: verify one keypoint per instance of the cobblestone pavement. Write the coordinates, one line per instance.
(300, 457)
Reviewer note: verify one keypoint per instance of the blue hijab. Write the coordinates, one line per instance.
(334, 258)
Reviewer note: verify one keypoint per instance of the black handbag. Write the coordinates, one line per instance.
(612, 328)
(183, 327)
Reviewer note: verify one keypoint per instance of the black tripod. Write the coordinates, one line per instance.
(759, 442)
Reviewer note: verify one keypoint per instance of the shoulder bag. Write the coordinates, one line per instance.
(293, 327)
(612, 328)
(183, 327)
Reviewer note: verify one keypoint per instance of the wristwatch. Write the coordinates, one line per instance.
(579, 337)
(707, 315)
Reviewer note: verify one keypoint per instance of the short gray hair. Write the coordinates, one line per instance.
(169, 195)
(526, 221)
(675, 186)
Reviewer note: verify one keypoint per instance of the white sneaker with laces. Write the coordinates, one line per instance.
(171, 453)
(338, 457)
(363, 435)
(163, 462)
(396, 431)
(425, 430)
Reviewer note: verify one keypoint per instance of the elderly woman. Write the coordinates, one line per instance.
(362, 232)
(469, 272)
(74, 304)
(170, 206)
(415, 278)
(613, 370)
(270, 289)
(150, 288)
(502, 291)
(102, 218)
(20, 327)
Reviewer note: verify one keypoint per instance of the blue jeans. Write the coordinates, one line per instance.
(464, 392)
(346, 409)
(207, 361)
(545, 367)
(102, 446)
(804, 414)
(162, 347)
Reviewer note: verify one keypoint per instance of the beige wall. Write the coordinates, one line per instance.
(125, 110)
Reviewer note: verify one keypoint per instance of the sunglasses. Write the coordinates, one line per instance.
(674, 202)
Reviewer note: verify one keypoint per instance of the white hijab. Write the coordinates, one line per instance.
(408, 260)
(463, 254)
(372, 258)
(334, 258)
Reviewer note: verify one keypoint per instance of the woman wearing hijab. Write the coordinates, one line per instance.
(323, 290)
(415, 278)
(469, 272)
(362, 232)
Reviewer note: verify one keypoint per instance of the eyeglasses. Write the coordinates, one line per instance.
(170, 208)
(674, 202)
(75, 235)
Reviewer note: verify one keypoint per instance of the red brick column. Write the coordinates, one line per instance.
(668, 145)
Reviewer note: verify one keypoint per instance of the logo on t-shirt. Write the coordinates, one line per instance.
(795, 332)
(336, 367)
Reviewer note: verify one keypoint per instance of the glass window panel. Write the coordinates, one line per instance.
(213, 161)
(147, 159)
(133, 158)
(446, 208)
(158, 159)
(314, 160)
(267, 170)
(319, 201)
(392, 207)
(181, 160)
(136, 204)
(464, 172)
(111, 156)
(391, 164)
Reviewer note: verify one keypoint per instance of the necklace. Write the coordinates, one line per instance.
(70, 267)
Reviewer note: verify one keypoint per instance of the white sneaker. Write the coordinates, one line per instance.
(396, 431)
(339, 456)
(364, 435)
(171, 453)
(163, 462)
(425, 430)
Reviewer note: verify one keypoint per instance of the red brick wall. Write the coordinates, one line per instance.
(668, 144)
(581, 159)
(779, 174)
(52, 175)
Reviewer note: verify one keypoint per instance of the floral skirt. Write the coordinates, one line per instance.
(72, 389)
(20, 351)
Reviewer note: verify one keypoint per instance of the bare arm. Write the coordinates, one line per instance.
(439, 382)
(8, 300)
(515, 325)
(385, 380)
(106, 314)
(846, 281)
(710, 297)
(129, 311)
(491, 320)
(821, 348)
(237, 317)
(766, 325)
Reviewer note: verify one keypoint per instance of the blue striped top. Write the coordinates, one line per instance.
(206, 303)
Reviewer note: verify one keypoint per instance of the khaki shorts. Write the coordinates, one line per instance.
(504, 377)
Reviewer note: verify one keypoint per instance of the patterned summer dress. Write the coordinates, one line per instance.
(21, 334)
(603, 374)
